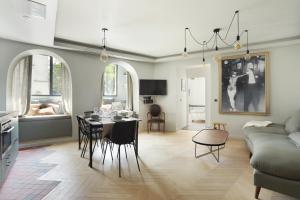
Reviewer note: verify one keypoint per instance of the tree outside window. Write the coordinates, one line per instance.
(110, 80)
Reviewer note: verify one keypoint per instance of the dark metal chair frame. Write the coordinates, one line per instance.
(123, 133)
(84, 130)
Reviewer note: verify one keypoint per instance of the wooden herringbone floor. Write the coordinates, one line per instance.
(168, 171)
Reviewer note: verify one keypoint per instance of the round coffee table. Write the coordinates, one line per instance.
(210, 138)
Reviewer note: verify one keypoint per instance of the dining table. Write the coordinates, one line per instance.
(94, 125)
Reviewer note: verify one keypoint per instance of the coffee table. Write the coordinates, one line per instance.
(210, 138)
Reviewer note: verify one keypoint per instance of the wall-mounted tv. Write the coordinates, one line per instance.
(153, 87)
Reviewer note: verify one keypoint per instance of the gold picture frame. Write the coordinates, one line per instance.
(244, 85)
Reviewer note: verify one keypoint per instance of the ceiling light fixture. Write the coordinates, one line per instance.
(212, 43)
(103, 54)
(247, 55)
(185, 54)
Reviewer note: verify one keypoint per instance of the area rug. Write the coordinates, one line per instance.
(23, 181)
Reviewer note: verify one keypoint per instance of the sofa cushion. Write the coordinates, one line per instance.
(271, 129)
(275, 155)
(295, 138)
(292, 124)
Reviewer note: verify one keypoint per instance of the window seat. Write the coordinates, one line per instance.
(27, 118)
(33, 128)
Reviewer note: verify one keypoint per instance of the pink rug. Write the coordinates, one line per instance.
(23, 181)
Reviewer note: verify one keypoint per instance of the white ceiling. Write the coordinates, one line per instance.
(156, 27)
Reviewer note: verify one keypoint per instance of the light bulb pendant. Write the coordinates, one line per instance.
(104, 55)
(237, 45)
(247, 56)
(185, 53)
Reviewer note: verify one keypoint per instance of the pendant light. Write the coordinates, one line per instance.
(103, 54)
(185, 53)
(203, 59)
(213, 42)
(247, 55)
(237, 44)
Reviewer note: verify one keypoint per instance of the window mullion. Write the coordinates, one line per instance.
(51, 76)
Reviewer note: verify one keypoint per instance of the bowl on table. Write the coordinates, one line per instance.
(87, 114)
(95, 117)
(117, 118)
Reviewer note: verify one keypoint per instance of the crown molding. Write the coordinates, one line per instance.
(70, 45)
(228, 50)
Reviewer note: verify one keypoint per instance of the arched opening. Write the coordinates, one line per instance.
(123, 87)
(39, 87)
(39, 83)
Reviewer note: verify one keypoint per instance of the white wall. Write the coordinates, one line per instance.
(284, 92)
(86, 71)
(34, 30)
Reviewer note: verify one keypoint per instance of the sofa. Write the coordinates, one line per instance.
(275, 156)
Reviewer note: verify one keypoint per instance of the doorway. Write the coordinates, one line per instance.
(196, 103)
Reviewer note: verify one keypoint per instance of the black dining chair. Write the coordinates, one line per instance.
(123, 133)
(84, 129)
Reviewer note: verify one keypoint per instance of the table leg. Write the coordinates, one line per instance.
(91, 147)
(137, 139)
(79, 138)
(211, 151)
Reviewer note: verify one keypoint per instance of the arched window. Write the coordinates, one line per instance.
(40, 84)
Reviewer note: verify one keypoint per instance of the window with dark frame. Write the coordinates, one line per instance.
(46, 76)
(110, 78)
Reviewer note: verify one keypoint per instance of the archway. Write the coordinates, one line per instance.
(33, 52)
(135, 82)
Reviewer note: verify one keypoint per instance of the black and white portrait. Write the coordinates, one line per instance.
(244, 84)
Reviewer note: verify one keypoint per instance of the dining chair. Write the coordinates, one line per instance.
(123, 133)
(84, 129)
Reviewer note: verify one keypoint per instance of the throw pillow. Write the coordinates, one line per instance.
(292, 124)
(295, 137)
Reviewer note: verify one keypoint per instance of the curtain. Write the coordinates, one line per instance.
(129, 93)
(20, 94)
(66, 90)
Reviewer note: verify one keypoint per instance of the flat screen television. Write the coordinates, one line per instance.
(153, 87)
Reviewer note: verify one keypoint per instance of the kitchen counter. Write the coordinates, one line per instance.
(4, 115)
(9, 142)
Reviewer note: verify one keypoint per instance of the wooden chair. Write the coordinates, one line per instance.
(220, 126)
(155, 115)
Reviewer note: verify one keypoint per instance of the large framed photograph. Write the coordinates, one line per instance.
(244, 84)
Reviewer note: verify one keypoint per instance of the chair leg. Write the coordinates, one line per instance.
(257, 191)
(137, 161)
(119, 161)
(148, 127)
(84, 147)
(125, 151)
(164, 127)
(96, 142)
(105, 152)
(111, 148)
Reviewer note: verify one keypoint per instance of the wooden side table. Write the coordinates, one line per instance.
(210, 138)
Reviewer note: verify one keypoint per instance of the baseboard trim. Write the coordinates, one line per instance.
(44, 142)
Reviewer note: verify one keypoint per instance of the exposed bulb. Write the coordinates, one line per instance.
(104, 55)
(237, 45)
(185, 53)
(247, 56)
